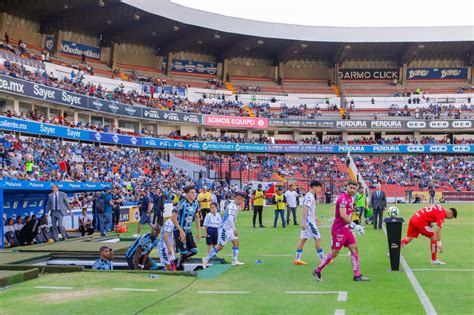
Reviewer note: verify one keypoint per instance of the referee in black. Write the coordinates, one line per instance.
(185, 212)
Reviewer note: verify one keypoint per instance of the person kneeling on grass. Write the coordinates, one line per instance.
(85, 223)
(228, 231)
(105, 262)
(138, 254)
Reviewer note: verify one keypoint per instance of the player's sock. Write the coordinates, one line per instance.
(299, 253)
(212, 253)
(235, 253)
(325, 262)
(355, 264)
(320, 253)
(403, 242)
(434, 249)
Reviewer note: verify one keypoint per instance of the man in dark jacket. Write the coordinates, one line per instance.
(378, 203)
(158, 206)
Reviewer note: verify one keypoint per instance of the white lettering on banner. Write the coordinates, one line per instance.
(12, 184)
(35, 184)
(43, 93)
(193, 146)
(47, 130)
(97, 104)
(418, 73)
(150, 142)
(152, 114)
(77, 51)
(450, 73)
(133, 140)
(386, 124)
(130, 110)
(235, 121)
(415, 148)
(13, 125)
(352, 148)
(70, 99)
(416, 124)
(438, 148)
(12, 86)
(462, 124)
(178, 144)
(98, 137)
(461, 148)
(204, 146)
(191, 118)
(113, 108)
(73, 133)
(367, 75)
(171, 116)
(164, 144)
(115, 138)
(439, 124)
(351, 123)
(391, 148)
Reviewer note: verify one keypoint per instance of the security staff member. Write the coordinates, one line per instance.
(279, 201)
(258, 198)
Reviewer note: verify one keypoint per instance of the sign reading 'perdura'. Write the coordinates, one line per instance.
(436, 73)
(231, 121)
(368, 74)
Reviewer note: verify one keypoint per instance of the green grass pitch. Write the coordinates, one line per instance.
(450, 291)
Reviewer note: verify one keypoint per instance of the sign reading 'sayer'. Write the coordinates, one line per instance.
(231, 121)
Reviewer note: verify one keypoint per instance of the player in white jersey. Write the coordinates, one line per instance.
(228, 231)
(309, 228)
(166, 246)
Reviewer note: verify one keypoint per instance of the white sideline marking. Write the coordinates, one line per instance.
(276, 255)
(425, 301)
(340, 312)
(341, 295)
(223, 292)
(467, 270)
(54, 288)
(137, 290)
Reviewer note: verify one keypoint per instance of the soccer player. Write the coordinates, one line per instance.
(185, 212)
(166, 246)
(138, 253)
(105, 262)
(309, 228)
(228, 231)
(342, 235)
(420, 223)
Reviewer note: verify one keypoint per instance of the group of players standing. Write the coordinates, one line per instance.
(177, 236)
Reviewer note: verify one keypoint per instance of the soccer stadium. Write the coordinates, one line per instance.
(158, 157)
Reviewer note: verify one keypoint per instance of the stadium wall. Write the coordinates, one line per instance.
(302, 69)
(135, 55)
(248, 67)
(20, 28)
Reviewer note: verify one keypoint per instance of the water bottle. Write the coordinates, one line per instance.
(153, 276)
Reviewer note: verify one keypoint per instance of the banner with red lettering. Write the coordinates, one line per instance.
(231, 121)
(458, 195)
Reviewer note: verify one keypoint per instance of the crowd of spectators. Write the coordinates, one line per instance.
(424, 171)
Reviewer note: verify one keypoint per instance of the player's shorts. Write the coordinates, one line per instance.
(148, 263)
(212, 235)
(342, 238)
(184, 247)
(417, 227)
(225, 236)
(145, 218)
(165, 258)
(311, 231)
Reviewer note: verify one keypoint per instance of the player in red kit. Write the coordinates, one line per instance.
(342, 235)
(420, 223)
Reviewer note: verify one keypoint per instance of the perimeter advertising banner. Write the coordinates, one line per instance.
(437, 73)
(234, 121)
(77, 49)
(369, 74)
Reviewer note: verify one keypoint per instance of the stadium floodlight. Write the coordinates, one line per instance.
(247, 48)
(199, 42)
(101, 3)
(347, 47)
(136, 17)
(175, 28)
(217, 36)
(260, 42)
(421, 46)
(303, 45)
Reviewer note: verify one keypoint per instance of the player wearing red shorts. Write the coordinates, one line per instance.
(420, 223)
(342, 235)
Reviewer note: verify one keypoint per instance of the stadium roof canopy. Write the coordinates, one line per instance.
(169, 27)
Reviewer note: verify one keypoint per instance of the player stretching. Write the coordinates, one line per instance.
(309, 229)
(166, 246)
(420, 223)
(228, 231)
(342, 235)
(183, 215)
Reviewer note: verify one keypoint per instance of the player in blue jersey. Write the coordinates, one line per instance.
(138, 255)
(105, 262)
(166, 246)
(185, 212)
(228, 231)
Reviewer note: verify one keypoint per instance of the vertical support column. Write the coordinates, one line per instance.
(3, 24)
(345, 136)
(225, 69)
(169, 64)
(403, 76)
(58, 38)
(113, 55)
(2, 245)
(16, 106)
